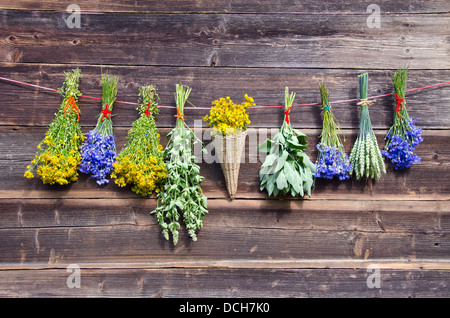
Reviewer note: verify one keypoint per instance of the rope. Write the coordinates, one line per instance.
(253, 107)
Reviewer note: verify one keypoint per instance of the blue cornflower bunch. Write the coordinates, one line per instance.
(400, 149)
(98, 154)
(332, 162)
(98, 151)
(403, 137)
(331, 159)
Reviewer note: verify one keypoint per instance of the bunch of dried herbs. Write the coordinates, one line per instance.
(287, 169)
(182, 196)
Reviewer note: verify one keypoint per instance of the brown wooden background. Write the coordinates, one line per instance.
(253, 246)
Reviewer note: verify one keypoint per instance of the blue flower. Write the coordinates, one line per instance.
(400, 149)
(98, 155)
(332, 162)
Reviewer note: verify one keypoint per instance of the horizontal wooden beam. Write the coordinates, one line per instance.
(223, 282)
(145, 243)
(232, 6)
(395, 216)
(227, 40)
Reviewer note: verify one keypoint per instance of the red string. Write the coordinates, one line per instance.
(70, 106)
(399, 104)
(146, 110)
(254, 107)
(105, 113)
(287, 112)
(179, 114)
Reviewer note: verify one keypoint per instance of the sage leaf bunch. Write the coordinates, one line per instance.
(287, 169)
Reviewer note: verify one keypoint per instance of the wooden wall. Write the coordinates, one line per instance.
(253, 246)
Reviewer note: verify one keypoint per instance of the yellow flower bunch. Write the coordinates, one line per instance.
(227, 117)
(58, 158)
(58, 168)
(141, 163)
(145, 175)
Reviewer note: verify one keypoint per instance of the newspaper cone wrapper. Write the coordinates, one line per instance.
(229, 151)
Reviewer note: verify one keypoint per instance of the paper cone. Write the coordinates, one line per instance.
(229, 151)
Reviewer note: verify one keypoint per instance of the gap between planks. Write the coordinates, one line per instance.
(243, 197)
(389, 264)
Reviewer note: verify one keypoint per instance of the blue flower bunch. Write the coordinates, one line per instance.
(331, 159)
(332, 162)
(98, 154)
(403, 137)
(400, 149)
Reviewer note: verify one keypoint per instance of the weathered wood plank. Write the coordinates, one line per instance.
(413, 217)
(22, 105)
(217, 283)
(227, 40)
(427, 179)
(125, 243)
(232, 6)
(58, 232)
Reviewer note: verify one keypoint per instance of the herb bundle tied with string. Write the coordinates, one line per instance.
(365, 156)
(403, 136)
(98, 151)
(141, 163)
(331, 160)
(58, 156)
(287, 169)
(182, 196)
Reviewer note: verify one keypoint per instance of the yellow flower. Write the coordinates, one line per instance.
(249, 99)
(228, 117)
(29, 175)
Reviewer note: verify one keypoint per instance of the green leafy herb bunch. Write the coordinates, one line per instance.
(182, 196)
(287, 169)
